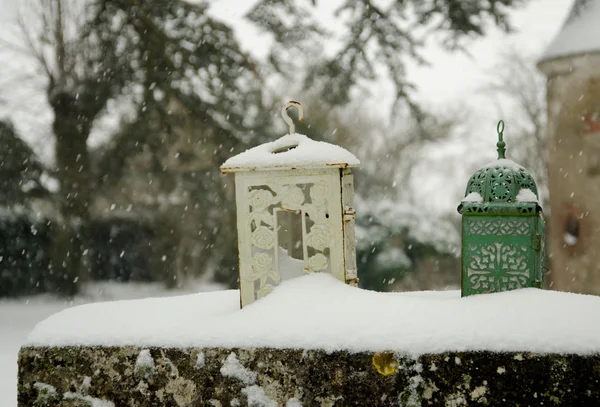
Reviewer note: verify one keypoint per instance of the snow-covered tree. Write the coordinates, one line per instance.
(370, 34)
(171, 66)
(152, 54)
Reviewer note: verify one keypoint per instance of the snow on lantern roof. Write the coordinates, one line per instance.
(291, 151)
(580, 33)
(503, 163)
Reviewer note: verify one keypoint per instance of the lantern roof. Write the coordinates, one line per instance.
(579, 34)
(501, 182)
(292, 151)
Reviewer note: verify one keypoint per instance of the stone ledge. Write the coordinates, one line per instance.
(148, 377)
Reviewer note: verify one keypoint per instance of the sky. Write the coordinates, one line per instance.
(451, 74)
(455, 74)
(451, 79)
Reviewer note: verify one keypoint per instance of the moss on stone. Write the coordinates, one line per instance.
(315, 378)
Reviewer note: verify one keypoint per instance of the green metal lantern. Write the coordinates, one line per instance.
(502, 228)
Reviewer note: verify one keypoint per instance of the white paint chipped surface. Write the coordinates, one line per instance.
(297, 151)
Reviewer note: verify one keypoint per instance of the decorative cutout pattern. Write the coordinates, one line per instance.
(500, 184)
(319, 237)
(520, 207)
(263, 238)
(499, 227)
(318, 262)
(310, 201)
(493, 267)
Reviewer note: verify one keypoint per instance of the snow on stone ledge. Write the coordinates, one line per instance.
(318, 312)
(291, 151)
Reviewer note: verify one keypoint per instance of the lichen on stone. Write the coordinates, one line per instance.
(46, 395)
(311, 377)
(183, 391)
(87, 401)
(293, 402)
(257, 398)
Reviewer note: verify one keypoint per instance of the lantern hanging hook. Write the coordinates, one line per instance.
(501, 145)
(288, 119)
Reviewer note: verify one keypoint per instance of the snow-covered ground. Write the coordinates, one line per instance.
(19, 317)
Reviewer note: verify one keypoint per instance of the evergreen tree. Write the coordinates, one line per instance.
(171, 60)
(373, 34)
(155, 51)
(24, 234)
(20, 169)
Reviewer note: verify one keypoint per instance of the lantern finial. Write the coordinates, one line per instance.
(501, 144)
(287, 118)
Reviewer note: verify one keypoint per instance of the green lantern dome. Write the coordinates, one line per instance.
(500, 182)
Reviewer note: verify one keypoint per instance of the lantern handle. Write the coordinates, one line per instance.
(288, 119)
(501, 145)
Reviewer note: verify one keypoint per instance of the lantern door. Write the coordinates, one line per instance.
(500, 253)
(289, 224)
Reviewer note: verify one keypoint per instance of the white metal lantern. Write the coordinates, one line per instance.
(295, 213)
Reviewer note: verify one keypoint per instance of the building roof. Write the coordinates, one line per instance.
(580, 33)
(291, 151)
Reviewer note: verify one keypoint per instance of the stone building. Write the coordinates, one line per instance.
(571, 64)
